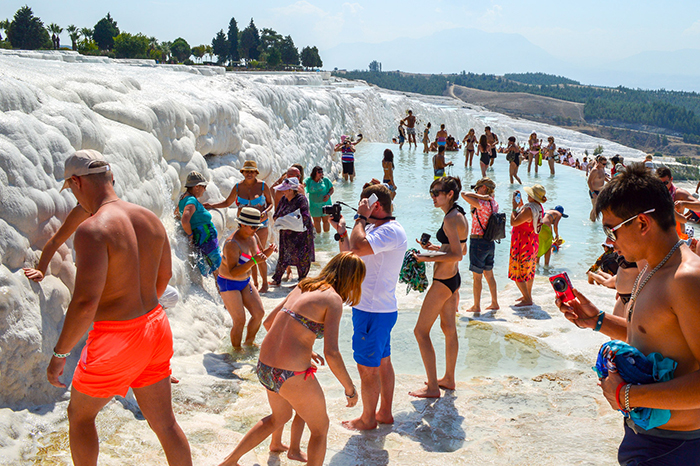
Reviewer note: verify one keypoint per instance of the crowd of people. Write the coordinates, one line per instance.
(643, 216)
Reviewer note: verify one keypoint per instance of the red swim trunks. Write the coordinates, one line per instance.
(121, 354)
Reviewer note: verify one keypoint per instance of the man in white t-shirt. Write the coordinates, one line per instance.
(381, 242)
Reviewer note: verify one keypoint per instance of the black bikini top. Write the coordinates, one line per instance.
(440, 235)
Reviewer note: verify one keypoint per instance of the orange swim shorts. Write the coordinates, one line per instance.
(121, 354)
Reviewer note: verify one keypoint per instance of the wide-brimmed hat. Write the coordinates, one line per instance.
(249, 216)
(195, 179)
(537, 192)
(289, 183)
(250, 165)
(560, 209)
(83, 162)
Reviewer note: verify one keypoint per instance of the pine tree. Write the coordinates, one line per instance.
(233, 54)
(26, 31)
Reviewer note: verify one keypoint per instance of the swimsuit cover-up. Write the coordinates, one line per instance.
(524, 245)
(317, 191)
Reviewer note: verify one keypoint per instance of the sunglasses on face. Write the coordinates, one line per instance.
(610, 232)
(435, 192)
(665, 182)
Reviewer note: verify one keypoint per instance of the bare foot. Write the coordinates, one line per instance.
(278, 447)
(425, 392)
(519, 299)
(297, 455)
(523, 304)
(251, 345)
(446, 384)
(274, 283)
(493, 307)
(359, 424)
(474, 308)
(384, 418)
(174, 379)
(264, 288)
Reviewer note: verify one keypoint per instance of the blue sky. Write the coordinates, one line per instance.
(579, 31)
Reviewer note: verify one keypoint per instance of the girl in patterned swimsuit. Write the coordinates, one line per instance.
(312, 310)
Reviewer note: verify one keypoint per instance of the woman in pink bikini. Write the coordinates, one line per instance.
(242, 251)
(311, 311)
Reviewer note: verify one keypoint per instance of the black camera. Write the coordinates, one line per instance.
(424, 238)
(333, 211)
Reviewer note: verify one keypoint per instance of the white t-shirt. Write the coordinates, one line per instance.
(389, 244)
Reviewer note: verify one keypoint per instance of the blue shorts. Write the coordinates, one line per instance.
(226, 284)
(481, 254)
(646, 449)
(371, 337)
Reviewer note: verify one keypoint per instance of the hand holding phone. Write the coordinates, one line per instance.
(372, 199)
(518, 197)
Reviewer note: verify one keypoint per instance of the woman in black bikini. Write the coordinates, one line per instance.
(312, 310)
(443, 296)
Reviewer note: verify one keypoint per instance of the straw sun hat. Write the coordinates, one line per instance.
(537, 192)
(250, 165)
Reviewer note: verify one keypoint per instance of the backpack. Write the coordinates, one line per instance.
(495, 228)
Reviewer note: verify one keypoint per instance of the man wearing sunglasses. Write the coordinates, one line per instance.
(662, 316)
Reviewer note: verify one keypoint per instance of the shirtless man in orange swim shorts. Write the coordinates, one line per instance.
(130, 344)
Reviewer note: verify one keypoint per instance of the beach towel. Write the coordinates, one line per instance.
(413, 272)
(636, 368)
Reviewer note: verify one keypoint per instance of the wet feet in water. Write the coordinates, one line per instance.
(359, 424)
(425, 392)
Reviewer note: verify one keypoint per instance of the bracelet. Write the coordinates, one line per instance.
(190, 234)
(254, 261)
(59, 355)
(599, 322)
(354, 393)
(627, 397)
(361, 217)
(617, 396)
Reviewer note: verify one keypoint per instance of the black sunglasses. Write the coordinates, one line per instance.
(436, 192)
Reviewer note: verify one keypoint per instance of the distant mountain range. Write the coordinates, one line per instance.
(458, 49)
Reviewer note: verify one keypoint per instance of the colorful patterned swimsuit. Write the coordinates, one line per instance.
(272, 378)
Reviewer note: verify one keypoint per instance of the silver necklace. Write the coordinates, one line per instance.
(636, 290)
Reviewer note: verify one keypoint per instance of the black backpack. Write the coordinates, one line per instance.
(495, 228)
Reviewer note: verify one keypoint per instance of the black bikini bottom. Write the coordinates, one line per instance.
(451, 283)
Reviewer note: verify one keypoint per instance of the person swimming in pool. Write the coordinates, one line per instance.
(242, 250)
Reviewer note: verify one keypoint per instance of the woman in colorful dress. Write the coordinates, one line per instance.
(252, 192)
(240, 253)
(443, 296)
(469, 141)
(199, 228)
(526, 221)
(312, 310)
(295, 248)
(320, 190)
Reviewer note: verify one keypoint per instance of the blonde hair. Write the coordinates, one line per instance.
(344, 273)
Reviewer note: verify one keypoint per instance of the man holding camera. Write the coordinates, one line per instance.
(662, 317)
(381, 242)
